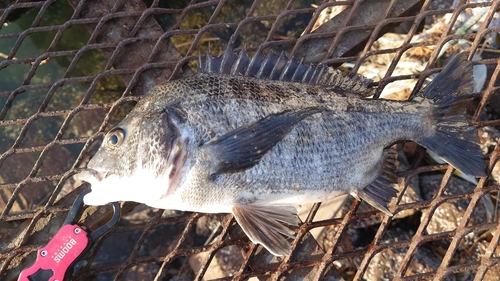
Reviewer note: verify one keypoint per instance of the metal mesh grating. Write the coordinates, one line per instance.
(70, 70)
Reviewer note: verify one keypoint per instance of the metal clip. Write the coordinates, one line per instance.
(69, 243)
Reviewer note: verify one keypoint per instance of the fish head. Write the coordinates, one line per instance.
(139, 160)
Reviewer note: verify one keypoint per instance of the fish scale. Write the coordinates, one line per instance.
(254, 137)
(313, 155)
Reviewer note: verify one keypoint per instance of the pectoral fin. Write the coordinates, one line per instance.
(263, 225)
(244, 147)
(380, 192)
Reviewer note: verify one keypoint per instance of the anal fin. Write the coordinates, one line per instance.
(380, 191)
(264, 225)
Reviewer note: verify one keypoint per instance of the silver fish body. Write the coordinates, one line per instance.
(217, 142)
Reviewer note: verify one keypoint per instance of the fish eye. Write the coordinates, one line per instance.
(115, 138)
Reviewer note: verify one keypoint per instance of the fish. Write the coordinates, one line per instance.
(256, 136)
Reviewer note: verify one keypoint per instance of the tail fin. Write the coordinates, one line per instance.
(455, 140)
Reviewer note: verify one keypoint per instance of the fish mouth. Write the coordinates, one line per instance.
(91, 175)
(100, 195)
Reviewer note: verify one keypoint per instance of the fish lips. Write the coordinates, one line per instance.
(94, 177)
(91, 175)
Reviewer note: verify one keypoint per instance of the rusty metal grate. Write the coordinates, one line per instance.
(69, 70)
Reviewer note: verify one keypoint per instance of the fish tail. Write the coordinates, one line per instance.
(454, 139)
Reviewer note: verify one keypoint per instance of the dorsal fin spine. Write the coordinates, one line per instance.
(242, 62)
(277, 65)
(256, 59)
(263, 66)
(234, 68)
(285, 70)
(209, 60)
(228, 58)
(280, 68)
(318, 77)
(298, 70)
(307, 75)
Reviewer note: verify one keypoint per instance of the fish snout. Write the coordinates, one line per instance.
(91, 175)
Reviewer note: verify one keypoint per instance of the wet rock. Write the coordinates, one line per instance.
(489, 137)
(208, 224)
(226, 262)
(141, 272)
(327, 210)
(448, 215)
(493, 272)
(382, 266)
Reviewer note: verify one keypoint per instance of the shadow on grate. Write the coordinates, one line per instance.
(71, 70)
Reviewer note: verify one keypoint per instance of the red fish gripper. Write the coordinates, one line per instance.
(70, 242)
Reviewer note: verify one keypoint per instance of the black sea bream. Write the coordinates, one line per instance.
(254, 137)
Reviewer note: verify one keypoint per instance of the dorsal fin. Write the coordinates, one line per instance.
(281, 68)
